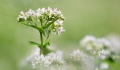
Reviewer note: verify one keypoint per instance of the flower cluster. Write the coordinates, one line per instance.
(101, 49)
(97, 46)
(48, 60)
(45, 16)
(91, 43)
(78, 55)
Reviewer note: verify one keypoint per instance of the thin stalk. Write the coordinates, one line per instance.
(41, 40)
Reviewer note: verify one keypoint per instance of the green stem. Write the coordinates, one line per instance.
(41, 40)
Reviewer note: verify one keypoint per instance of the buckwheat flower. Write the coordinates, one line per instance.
(38, 12)
(102, 54)
(58, 23)
(57, 58)
(115, 43)
(31, 12)
(77, 55)
(57, 11)
(50, 12)
(94, 44)
(104, 65)
(48, 61)
(104, 42)
(59, 30)
(34, 57)
(90, 43)
(26, 16)
(41, 10)
(87, 41)
(22, 17)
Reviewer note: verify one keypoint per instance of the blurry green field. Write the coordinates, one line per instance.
(83, 17)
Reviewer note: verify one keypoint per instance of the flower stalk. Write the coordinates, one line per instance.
(41, 39)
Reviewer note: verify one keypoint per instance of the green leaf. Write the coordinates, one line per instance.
(34, 43)
(114, 65)
(36, 27)
(52, 27)
(110, 59)
(46, 26)
(47, 50)
(46, 44)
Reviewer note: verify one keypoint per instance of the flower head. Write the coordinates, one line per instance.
(45, 16)
(77, 55)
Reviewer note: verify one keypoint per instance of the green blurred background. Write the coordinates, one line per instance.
(83, 17)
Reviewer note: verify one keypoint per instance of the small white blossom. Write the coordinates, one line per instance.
(31, 12)
(104, 65)
(102, 54)
(77, 55)
(57, 58)
(115, 43)
(48, 61)
(87, 39)
(59, 30)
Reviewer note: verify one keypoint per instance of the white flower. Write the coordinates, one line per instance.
(23, 16)
(41, 11)
(88, 42)
(44, 15)
(31, 12)
(57, 58)
(48, 61)
(104, 65)
(102, 54)
(58, 23)
(51, 59)
(104, 42)
(87, 39)
(96, 44)
(77, 55)
(115, 43)
(59, 30)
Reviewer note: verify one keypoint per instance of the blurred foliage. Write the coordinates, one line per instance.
(83, 17)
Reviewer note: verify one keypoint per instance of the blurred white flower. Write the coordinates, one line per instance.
(86, 40)
(102, 54)
(47, 62)
(98, 46)
(104, 65)
(92, 43)
(51, 59)
(115, 43)
(57, 58)
(77, 55)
